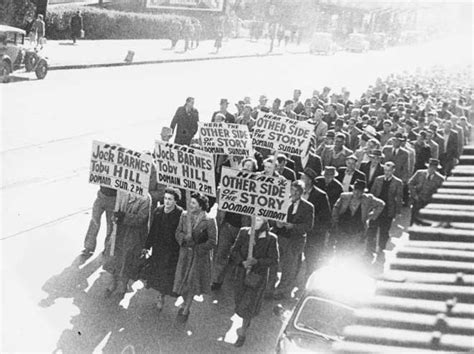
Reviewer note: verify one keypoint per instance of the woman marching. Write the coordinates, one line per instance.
(251, 273)
(193, 272)
(159, 275)
(132, 230)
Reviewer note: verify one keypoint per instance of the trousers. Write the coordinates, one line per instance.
(227, 236)
(101, 204)
(291, 251)
(382, 226)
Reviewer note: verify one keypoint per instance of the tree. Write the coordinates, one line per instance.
(17, 13)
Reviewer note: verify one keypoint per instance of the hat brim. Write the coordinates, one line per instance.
(335, 174)
(372, 155)
(310, 177)
(438, 166)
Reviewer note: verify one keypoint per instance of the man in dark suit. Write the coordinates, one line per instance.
(292, 238)
(314, 249)
(389, 189)
(349, 174)
(449, 158)
(373, 168)
(309, 160)
(283, 170)
(329, 184)
(399, 156)
(229, 117)
(185, 121)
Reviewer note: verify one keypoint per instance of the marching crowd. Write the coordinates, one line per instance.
(367, 158)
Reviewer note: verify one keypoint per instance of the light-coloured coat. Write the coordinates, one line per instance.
(422, 188)
(371, 207)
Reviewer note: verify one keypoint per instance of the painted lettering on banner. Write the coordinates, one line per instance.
(225, 138)
(251, 193)
(184, 167)
(119, 168)
(281, 134)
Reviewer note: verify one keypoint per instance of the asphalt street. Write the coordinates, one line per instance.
(51, 301)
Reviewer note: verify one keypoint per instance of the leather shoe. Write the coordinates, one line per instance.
(240, 342)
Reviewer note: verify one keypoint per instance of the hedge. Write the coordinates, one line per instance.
(110, 24)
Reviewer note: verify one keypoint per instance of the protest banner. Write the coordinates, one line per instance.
(281, 134)
(119, 168)
(226, 139)
(184, 167)
(254, 194)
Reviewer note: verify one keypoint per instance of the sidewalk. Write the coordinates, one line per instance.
(95, 53)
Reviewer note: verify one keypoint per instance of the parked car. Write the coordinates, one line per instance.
(322, 43)
(378, 40)
(326, 307)
(15, 55)
(357, 42)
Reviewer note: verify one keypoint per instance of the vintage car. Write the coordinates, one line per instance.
(357, 42)
(322, 43)
(15, 55)
(327, 306)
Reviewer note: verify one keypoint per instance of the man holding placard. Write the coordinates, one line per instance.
(292, 238)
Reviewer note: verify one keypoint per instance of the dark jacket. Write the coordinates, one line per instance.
(333, 189)
(76, 25)
(302, 221)
(365, 168)
(314, 162)
(229, 117)
(395, 194)
(452, 149)
(355, 176)
(422, 156)
(322, 212)
(186, 124)
(289, 174)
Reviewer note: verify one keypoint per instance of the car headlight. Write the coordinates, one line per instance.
(288, 346)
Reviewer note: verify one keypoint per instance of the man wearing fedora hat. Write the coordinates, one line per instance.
(229, 117)
(351, 215)
(423, 185)
(349, 174)
(329, 184)
(315, 240)
(373, 168)
(389, 189)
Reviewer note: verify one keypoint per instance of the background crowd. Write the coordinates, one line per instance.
(368, 157)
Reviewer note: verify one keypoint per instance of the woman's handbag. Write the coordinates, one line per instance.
(252, 280)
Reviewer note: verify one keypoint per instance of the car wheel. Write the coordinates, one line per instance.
(41, 70)
(4, 71)
(30, 61)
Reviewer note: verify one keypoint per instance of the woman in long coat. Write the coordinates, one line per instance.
(159, 275)
(132, 230)
(248, 299)
(193, 272)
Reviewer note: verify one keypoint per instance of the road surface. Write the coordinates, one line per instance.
(50, 301)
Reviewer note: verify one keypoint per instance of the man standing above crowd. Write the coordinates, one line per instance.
(389, 189)
(185, 121)
(298, 105)
(449, 157)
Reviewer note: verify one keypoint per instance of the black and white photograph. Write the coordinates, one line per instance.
(236, 176)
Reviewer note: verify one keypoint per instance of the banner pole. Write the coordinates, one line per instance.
(251, 240)
(113, 236)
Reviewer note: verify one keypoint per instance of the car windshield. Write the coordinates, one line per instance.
(326, 317)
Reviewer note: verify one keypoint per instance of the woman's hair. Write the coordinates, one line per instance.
(202, 200)
(254, 163)
(176, 193)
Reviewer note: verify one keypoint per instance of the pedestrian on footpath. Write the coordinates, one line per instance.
(197, 33)
(251, 273)
(193, 272)
(161, 269)
(105, 202)
(77, 27)
(185, 122)
(39, 31)
(132, 231)
(188, 32)
(175, 32)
